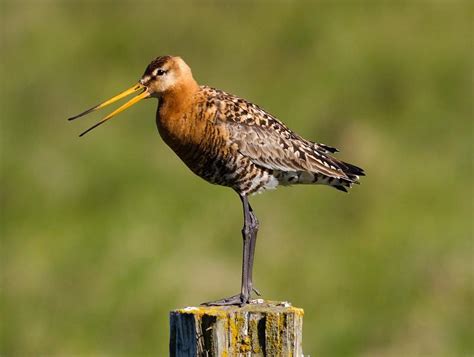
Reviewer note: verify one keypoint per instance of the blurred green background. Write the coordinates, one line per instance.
(103, 235)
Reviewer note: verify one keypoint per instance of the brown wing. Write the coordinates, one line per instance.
(269, 143)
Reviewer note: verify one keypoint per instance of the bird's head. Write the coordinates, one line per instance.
(164, 74)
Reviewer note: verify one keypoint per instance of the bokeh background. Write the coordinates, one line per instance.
(101, 236)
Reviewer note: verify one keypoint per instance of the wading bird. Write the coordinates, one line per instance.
(231, 142)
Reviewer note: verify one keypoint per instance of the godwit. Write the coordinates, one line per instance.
(231, 142)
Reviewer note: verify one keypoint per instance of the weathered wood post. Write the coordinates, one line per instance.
(264, 328)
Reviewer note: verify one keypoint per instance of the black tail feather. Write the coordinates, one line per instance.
(353, 170)
(328, 148)
(340, 188)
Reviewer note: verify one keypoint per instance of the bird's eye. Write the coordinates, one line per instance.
(160, 72)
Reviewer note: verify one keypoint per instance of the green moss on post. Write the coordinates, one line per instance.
(265, 328)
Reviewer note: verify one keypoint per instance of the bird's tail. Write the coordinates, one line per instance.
(345, 176)
(352, 172)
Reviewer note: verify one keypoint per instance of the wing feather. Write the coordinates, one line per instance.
(269, 143)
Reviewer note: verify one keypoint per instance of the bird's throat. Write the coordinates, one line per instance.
(172, 117)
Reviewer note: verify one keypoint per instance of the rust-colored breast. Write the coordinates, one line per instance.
(191, 132)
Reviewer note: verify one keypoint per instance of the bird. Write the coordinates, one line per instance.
(229, 141)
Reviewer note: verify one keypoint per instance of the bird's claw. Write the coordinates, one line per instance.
(239, 300)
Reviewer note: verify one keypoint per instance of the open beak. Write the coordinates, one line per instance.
(137, 87)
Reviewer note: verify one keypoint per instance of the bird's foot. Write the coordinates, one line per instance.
(239, 300)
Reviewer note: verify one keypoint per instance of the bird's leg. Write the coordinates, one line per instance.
(254, 225)
(248, 232)
(249, 236)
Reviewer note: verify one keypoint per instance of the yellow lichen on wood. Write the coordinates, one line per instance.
(233, 331)
(245, 344)
(253, 333)
(258, 329)
(203, 310)
(273, 329)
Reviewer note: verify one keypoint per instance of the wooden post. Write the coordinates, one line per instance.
(263, 328)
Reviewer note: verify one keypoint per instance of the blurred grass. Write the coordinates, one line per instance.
(102, 236)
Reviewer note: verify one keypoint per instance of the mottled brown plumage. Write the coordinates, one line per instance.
(229, 141)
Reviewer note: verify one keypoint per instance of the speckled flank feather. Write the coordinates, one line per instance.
(242, 146)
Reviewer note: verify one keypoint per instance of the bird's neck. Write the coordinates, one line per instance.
(179, 97)
(173, 119)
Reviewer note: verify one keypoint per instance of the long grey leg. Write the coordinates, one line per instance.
(249, 237)
(253, 228)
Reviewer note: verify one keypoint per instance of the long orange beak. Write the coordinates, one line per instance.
(137, 87)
